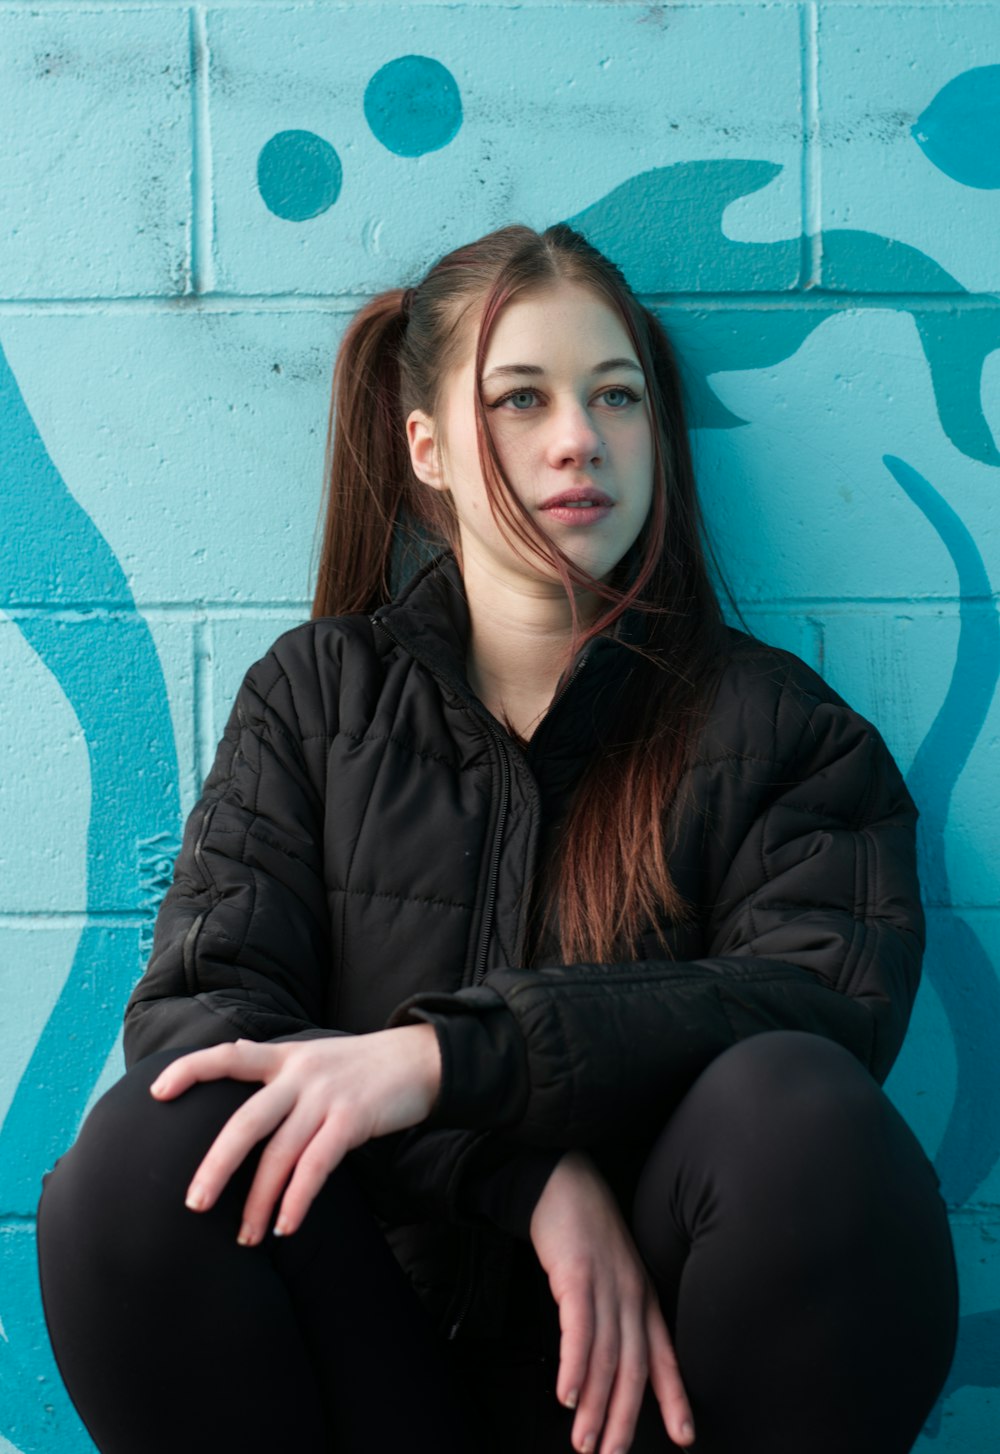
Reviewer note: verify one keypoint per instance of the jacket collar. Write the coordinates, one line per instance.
(429, 617)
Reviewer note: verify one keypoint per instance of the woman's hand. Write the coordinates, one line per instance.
(613, 1331)
(320, 1099)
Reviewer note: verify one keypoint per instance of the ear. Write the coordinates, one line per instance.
(425, 455)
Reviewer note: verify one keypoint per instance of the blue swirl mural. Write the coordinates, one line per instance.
(100, 651)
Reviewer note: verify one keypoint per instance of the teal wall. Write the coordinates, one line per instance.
(194, 201)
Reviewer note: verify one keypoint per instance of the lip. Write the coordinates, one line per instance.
(579, 492)
(575, 516)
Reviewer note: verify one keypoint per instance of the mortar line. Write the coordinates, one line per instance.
(38, 919)
(812, 220)
(99, 611)
(92, 6)
(33, 921)
(202, 195)
(814, 300)
(204, 727)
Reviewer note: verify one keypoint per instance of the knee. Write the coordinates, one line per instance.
(782, 1109)
(789, 1079)
(133, 1158)
(791, 1108)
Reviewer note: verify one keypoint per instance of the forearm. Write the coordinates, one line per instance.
(561, 1057)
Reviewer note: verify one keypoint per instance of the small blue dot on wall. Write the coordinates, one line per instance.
(413, 105)
(298, 175)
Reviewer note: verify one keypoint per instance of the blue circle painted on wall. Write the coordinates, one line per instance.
(299, 175)
(960, 130)
(413, 105)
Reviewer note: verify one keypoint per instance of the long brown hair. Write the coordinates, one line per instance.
(612, 877)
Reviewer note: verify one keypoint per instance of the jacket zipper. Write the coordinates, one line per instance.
(479, 973)
(466, 1278)
(489, 909)
(466, 1271)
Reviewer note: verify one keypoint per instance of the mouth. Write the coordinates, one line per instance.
(584, 497)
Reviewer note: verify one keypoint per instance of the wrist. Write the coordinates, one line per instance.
(424, 1037)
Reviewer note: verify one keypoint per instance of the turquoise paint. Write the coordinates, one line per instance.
(675, 213)
(976, 1363)
(109, 669)
(960, 130)
(957, 963)
(299, 175)
(413, 105)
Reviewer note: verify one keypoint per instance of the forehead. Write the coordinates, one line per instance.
(560, 324)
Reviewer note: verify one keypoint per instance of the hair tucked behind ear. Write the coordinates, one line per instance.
(611, 881)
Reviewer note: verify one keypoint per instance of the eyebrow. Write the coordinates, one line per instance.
(608, 366)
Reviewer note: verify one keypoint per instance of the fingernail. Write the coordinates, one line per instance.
(281, 1228)
(245, 1238)
(572, 1397)
(687, 1428)
(195, 1198)
(588, 1444)
(155, 1088)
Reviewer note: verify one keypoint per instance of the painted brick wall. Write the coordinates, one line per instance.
(195, 199)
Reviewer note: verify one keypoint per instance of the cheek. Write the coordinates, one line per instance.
(638, 458)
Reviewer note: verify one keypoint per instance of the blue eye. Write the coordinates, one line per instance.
(518, 394)
(630, 396)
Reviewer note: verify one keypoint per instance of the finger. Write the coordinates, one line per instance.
(276, 1165)
(236, 1060)
(630, 1379)
(322, 1155)
(254, 1120)
(601, 1370)
(665, 1376)
(576, 1323)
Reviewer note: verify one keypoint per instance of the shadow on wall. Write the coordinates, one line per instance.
(100, 651)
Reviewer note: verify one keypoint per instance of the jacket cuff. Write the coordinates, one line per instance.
(506, 1195)
(484, 1063)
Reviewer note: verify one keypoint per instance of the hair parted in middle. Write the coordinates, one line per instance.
(612, 880)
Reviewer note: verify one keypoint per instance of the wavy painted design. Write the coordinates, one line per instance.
(663, 228)
(108, 667)
(956, 961)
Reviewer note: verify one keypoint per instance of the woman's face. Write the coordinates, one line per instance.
(566, 404)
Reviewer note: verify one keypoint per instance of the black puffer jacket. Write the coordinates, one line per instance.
(362, 856)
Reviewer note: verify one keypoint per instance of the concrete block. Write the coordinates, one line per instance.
(904, 672)
(97, 152)
(880, 69)
(799, 499)
(193, 441)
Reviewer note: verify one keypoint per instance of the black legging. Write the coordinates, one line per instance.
(791, 1222)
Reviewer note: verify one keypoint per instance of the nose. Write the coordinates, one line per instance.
(574, 439)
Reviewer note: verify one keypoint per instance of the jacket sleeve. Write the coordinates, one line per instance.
(241, 936)
(815, 924)
(242, 948)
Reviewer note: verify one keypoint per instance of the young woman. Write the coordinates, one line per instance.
(507, 1069)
